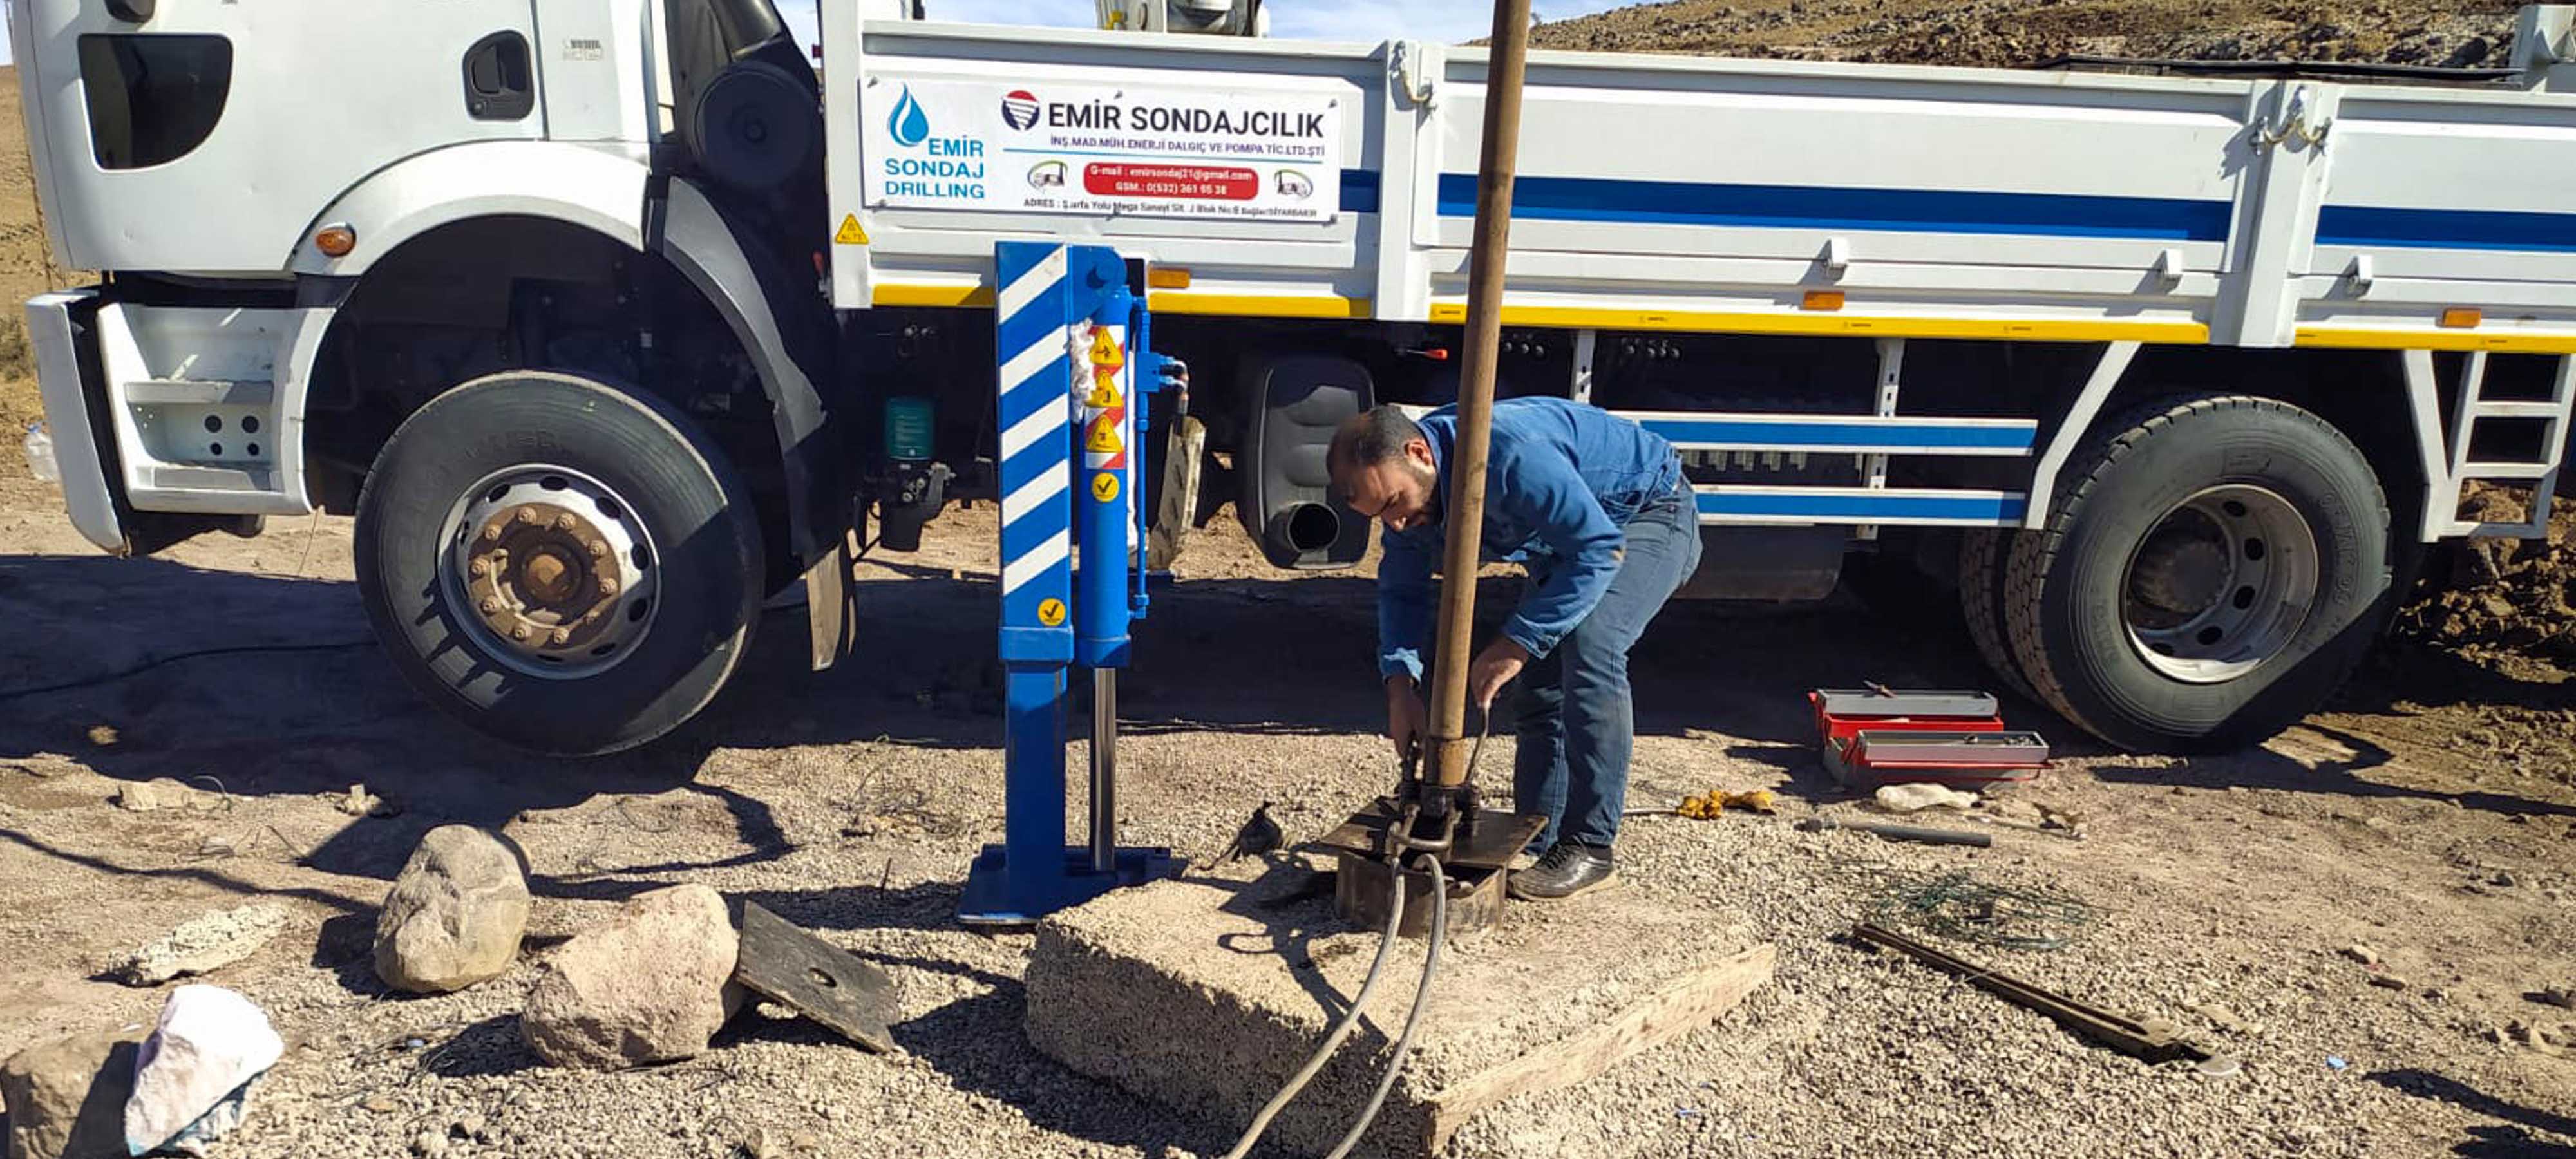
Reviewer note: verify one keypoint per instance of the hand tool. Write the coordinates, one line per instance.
(1914, 833)
(2152, 1040)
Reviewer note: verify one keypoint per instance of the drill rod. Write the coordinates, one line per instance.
(1495, 170)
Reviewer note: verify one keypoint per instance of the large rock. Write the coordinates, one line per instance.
(652, 985)
(455, 915)
(67, 1098)
(202, 944)
(211, 1042)
(158, 794)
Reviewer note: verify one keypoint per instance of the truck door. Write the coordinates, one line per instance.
(205, 135)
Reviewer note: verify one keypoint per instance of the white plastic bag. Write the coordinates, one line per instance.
(40, 455)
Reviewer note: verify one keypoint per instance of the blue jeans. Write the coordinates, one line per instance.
(1577, 723)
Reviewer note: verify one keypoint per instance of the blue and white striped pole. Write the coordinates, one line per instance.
(1051, 342)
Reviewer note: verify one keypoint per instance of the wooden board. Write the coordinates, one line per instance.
(816, 978)
(1679, 1008)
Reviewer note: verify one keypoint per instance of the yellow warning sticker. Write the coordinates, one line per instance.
(1104, 438)
(1050, 612)
(851, 233)
(1104, 393)
(1104, 349)
(1104, 486)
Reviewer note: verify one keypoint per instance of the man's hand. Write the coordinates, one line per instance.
(1493, 668)
(1407, 721)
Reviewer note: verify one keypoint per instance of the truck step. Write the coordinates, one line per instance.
(199, 392)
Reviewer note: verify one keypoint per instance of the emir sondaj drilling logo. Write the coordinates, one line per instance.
(952, 170)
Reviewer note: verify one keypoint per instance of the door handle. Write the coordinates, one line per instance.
(499, 85)
(131, 11)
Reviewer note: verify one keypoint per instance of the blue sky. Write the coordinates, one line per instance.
(1367, 21)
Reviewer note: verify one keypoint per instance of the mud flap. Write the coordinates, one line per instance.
(1185, 448)
(831, 603)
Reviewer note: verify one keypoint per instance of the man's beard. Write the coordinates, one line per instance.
(1433, 498)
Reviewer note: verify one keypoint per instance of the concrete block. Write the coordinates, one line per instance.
(1206, 994)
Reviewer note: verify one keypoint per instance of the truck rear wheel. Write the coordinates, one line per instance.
(566, 567)
(2210, 573)
(1983, 552)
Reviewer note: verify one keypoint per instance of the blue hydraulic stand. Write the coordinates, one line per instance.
(1071, 341)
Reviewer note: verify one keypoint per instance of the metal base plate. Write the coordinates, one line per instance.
(1488, 839)
(816, 978)
(1363, 888)
(987, 900)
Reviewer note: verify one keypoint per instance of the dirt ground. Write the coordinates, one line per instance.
(2430, 814)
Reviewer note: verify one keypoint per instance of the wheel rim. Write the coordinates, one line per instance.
(2220, 584)
(551, 571)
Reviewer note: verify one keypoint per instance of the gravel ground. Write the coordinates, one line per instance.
(2225, 887)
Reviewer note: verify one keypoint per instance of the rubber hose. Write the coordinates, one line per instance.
(1332, 1039)
(1413, 1017)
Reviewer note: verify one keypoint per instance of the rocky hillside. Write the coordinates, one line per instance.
(2021, 33)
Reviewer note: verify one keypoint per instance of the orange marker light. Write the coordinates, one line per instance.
(1822, 300)
(1168, 278)
(2462, 317)
(335, 241)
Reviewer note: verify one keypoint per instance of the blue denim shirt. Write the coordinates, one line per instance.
(1561, 480)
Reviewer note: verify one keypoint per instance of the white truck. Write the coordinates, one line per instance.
(610, 318)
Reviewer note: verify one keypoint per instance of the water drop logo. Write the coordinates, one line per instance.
(909, 125)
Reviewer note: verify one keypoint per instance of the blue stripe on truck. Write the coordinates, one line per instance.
(2468, 229)
(1849, 508)
(1804, 207)
(1790, 434)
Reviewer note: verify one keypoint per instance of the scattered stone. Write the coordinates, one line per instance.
(456, 912)
(471, 1127)
(2362, 954)
(381, 1104)
(2558, 996)
(103, 735)
(2388, 982)
(158, 794)
(2535, 1038)
(2503, 879)
(429, 1145)
(358, 802)
(192, 1078)
(806, 1142)
(2223, 1018)
(763, 1145)
(66, 1098)
(202, 944)
(652, 985)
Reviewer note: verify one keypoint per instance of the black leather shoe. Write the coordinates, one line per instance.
(1565, 870)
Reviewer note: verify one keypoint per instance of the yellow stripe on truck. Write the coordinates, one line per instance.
(1259, 305)
(2499, 341)
(1715, 322)
(1161, 301)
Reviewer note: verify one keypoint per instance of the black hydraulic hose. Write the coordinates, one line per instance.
(1413, 1017)
(1341, 1030)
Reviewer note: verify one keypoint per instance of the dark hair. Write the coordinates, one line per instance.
(1366, 440)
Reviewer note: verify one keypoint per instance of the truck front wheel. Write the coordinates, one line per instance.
(2210, 573)
(566, 567)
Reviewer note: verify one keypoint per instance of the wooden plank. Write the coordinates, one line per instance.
(1679, 1008)
(816, 978)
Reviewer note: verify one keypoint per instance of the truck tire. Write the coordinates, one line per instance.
(1982, 555)
(566, 567)
(2212, 570)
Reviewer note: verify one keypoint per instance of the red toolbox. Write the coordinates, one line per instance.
(1888, 736)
